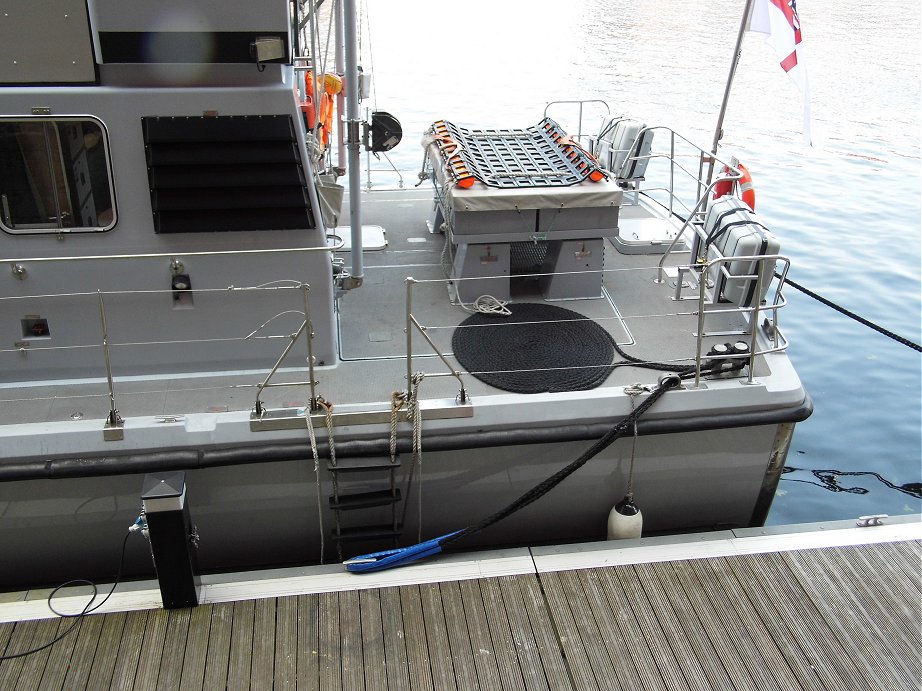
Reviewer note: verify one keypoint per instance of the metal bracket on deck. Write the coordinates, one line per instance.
(293, 418)
(114, 429)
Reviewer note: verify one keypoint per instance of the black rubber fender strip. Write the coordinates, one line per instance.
(189, 459)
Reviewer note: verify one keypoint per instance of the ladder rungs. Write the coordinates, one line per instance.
(364, 500)
(353, 465)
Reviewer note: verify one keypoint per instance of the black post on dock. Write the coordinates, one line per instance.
(172, 538)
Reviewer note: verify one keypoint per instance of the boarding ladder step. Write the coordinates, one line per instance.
(365, 526)
(360, 465)
(364, 500)
(384, 531)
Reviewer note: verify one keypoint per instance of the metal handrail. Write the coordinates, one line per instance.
(755, 310)
(779, 342)
(161, 255)
(412, 323)
(579, 133)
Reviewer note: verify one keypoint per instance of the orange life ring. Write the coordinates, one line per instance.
(746, 191)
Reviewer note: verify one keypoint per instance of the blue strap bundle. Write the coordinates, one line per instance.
(378, 561)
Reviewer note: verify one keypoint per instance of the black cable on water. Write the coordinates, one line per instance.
(77, 616)
(849, 313)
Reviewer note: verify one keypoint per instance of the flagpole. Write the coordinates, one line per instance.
(718, 132)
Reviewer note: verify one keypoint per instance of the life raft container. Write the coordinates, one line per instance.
(746, 191)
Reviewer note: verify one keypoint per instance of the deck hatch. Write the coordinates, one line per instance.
(225, 173)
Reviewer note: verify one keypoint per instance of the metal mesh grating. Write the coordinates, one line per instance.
(539, 156)
(526, 257)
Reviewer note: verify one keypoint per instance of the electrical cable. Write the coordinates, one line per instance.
(78, 616)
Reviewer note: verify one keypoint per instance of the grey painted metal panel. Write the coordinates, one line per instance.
(46, 41)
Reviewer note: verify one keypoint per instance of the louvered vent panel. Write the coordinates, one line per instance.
(225, 173)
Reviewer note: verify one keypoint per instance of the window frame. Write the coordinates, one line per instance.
(56, 227)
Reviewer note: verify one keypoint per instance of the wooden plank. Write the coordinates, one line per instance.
(193, 664)
(504, 649)
(414, 627)
(459, 638)
(152, 649)
(848, 618)
(285, 667)
(673, 630)
(571, 641)
(440, 659)
(59, 660)
(815, 621)
(308, 654)
(619, 615)
(394, 635)
(548, 651)
(588, 603)
(83, 658)
(803, 621)
(899, 618)
(113, 626)
(714, 672)
(263, 650)
(330, 647)
(240, 655)
(881, 574)
(350, 631)
(219, 640)
(759, 649)
(712, 625)
(904, 557)
(19, 639)
(728, 625)
(174, 648)
(664, 660)
(479, 631)
(761, 596)
(636, 665)
(129, 650)
(372, 639)
(6, 630)
(33, 666)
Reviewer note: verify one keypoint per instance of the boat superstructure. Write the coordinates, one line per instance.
(180, 294)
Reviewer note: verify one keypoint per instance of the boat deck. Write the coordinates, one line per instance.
(371, 331)
(747, 609)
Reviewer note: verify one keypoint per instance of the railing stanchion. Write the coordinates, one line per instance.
(409, 330)
(114, 424)
(309, 335)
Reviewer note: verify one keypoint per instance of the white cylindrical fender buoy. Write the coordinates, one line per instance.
(625, 520)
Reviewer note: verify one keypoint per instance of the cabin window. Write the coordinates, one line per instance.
(55, 176)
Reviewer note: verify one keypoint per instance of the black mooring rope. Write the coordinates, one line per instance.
(539, 490)
(849, 313)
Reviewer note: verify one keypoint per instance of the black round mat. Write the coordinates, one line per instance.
(489, 346)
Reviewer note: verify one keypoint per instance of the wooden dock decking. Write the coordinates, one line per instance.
(845, 617)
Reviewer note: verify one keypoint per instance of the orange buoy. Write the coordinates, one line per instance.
(746, 191)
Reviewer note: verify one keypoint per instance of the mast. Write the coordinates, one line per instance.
(341, 96)
(353, 138)
(737, 50)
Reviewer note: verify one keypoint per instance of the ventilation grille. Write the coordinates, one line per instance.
(226, 173)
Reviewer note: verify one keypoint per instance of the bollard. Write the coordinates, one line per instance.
(173, 539)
